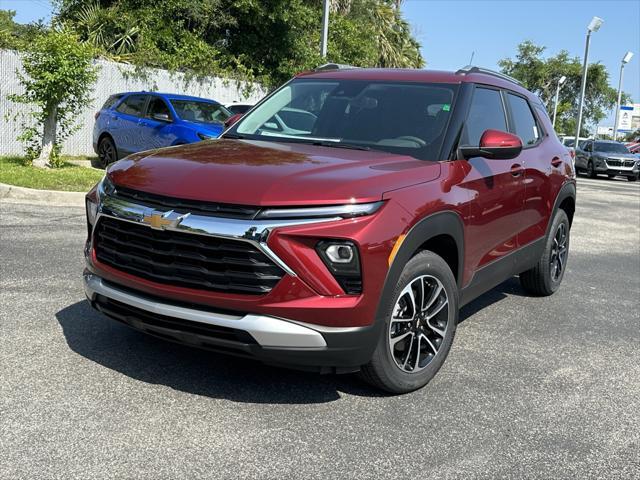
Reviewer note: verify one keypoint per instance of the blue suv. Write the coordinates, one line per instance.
(137, 121)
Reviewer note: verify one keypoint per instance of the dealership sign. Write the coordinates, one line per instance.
(624, 118)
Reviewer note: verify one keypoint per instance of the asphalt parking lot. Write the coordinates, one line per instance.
(533, 387)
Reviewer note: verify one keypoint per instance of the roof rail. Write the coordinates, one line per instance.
(333, 66)
(471, 69)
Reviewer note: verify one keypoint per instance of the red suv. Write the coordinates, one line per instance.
(340, 224)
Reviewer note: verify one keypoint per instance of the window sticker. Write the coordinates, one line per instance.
(446, 107)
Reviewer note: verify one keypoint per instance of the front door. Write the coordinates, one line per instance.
(496, 186)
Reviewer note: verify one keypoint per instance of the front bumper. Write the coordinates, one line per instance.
(602, 166)
(266, 338)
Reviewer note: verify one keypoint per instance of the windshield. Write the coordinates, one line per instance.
(610, 147)
(402, 118)
(205, 112)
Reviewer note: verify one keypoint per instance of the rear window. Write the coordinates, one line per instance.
(111, 101)
(133, 105)
(402, 118)
(525, 124)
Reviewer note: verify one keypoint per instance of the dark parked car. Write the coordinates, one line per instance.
(347, 246)
(137, 121)
(607, 157)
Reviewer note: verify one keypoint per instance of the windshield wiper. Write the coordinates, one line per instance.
(350, 146)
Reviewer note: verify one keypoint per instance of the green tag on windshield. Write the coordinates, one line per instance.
(446, 107)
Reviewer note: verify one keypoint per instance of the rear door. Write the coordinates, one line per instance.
(124, 128)
(542, 159)
(497, 186)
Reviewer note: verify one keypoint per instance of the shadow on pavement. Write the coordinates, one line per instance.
(145, 358)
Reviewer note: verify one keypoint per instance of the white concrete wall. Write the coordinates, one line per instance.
(113, 78)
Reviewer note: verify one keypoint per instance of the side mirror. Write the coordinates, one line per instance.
(161, 117)
(232, 119)
(495, 145)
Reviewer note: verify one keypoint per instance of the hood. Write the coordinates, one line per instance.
(617, 156)
(216, 128)
(269, 173)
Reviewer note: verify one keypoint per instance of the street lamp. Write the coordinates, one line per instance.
(555, 107)
(594, 26)
(325, 29)
(625, 60)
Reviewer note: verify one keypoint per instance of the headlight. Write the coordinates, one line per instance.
(204, 136)
(342, 259)
(342, 211)
(92, 211)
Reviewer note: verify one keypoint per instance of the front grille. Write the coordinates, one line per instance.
(185, 259)
(185, 206)
(614, 162)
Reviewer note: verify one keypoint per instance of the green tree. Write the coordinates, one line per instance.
(264, 40)
(540, 75)
(15, 36)
(57, 81)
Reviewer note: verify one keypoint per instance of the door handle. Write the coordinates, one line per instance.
(516, 169)
(556, 161)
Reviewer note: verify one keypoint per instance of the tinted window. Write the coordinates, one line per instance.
(610, 147)
(238, 108)
(133, 105)
(525, 125)
(111, 101)
(402, 118)
(486, 112)
(157, 106)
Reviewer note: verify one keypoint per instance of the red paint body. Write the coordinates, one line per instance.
(503, 205)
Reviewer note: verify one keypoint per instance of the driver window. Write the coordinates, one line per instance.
(157, 106)
(486, 112)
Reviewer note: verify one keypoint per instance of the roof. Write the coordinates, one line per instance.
(414, 75)
(171, 96)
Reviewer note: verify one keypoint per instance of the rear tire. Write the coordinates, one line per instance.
(545, 278)
(420, 323)
(107, 152)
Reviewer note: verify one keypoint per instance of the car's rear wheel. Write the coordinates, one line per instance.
(419, 327)
(107, 152)
(591, 171)
(545, 278)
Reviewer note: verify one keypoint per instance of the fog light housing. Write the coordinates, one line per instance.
(343, 261)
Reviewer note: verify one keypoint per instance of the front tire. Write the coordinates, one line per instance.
(591, 171)
(633, 178)
(545, 278)
(420, 323)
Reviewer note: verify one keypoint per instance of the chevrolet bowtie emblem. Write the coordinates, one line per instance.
(163, 220)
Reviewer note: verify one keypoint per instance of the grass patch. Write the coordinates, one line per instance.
(69, 177)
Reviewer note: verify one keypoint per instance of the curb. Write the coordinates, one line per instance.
(49, 197)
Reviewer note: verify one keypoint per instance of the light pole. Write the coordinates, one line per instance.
(555, 107)
(325, 29)
(625, 60)
(594, 26)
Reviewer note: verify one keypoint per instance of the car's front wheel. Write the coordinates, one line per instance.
(633, 178)
(591, 171)
(419, 327)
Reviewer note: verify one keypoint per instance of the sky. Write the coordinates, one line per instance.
(451, 30)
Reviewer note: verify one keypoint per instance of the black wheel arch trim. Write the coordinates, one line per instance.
(568, 190)
(440, 223)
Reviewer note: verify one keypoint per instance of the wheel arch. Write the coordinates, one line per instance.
(565, 200)
(441, 233)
